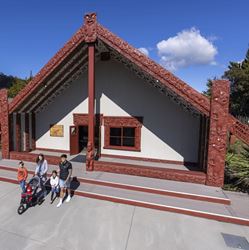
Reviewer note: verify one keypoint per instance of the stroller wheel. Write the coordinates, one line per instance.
(21, 209)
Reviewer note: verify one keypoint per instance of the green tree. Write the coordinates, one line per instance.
(207, 92)
(238, 75)
(5, 81)
(16, 86)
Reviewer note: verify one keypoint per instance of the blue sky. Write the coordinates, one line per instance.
(32, 31)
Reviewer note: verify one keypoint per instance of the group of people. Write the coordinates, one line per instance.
(59, 180)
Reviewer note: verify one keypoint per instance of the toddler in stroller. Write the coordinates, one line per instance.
(30, 198)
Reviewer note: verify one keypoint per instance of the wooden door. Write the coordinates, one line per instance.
(74, 140)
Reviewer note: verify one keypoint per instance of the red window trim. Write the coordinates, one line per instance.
(121, 121)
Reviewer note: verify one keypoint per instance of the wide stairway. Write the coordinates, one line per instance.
(171, 196)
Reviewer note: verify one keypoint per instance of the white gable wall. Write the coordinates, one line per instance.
(60, 111)
(169, 132)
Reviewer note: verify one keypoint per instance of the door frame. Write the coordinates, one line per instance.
(81, 119)
(74, 139)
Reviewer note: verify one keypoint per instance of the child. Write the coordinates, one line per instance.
(22, 175)
(54, 182)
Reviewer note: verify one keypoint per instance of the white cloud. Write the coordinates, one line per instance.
(187, 48)
(144, 51)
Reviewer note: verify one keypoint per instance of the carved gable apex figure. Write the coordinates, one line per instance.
(90, 21)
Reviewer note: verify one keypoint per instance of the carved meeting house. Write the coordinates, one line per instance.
(102, 98)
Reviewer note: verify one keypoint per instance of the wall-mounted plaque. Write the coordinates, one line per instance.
(57, 130)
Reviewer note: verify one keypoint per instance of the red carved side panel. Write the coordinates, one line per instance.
(90, 25)
(4, 121)
(218, 133)
(120, 121)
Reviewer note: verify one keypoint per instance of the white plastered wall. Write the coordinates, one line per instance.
(168, 131)
(60, 111)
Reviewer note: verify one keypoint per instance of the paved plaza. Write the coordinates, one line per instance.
(93, 224)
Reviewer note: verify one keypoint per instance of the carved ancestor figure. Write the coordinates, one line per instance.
(89, 156)
(90, 27)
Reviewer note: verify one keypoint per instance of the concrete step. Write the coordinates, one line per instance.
(149, 185)
(196, 208)
(218, 212)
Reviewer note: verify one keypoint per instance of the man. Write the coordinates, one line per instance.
(65, 173)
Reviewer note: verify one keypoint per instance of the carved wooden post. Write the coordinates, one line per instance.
(91, 36)
(11, 132)
(18, 132)
(33, 126)
(4, 121)
(218, 133)
(26, 133)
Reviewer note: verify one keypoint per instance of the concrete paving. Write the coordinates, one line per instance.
(100, 225)
(239, 203)
(80, 171)
(148, 197)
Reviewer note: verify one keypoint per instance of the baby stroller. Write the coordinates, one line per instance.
(30, 197)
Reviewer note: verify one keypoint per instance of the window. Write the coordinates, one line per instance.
(122, 133)
(124, 136)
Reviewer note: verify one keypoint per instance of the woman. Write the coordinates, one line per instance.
(42, 167)
(41, 171)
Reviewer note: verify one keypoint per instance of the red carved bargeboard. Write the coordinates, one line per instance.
(218, 133)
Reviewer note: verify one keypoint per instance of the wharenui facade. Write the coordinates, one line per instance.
(101, 97)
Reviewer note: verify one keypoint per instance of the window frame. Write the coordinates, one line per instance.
(123, 122)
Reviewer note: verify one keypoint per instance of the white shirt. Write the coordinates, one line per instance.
(54, 181)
